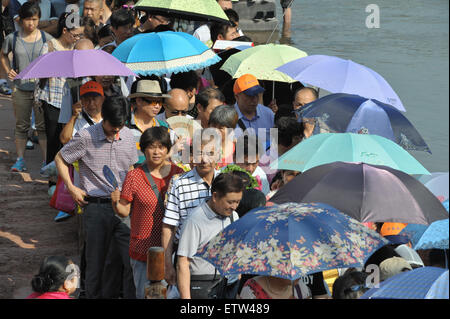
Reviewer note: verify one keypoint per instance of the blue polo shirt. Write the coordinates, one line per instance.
(264, 118)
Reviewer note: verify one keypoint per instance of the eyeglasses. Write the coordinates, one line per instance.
(178, 112)
(152, 102)
(77, 35)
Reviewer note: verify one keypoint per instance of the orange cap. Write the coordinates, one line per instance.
(390, 229)
(91, 87)
(248, 84)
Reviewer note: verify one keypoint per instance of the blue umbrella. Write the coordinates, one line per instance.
(445, 204)
(291, 240)
(164, 52)
(342, 113)
(414, 232)
(435, 236)
(337, 75)
(420, 283)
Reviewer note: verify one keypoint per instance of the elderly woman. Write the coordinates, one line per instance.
(224, 118)
(142, 194)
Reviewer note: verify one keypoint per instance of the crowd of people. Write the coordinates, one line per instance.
(160, 198)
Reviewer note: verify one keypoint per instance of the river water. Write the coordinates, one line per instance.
(410, 49)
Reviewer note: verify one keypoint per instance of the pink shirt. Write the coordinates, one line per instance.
(49, 295)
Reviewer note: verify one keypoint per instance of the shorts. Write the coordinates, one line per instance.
(285, 3)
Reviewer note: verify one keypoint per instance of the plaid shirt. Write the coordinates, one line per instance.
(54, 89)
(93, 150)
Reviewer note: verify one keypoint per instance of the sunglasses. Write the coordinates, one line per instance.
(178, 112)
(152, 102)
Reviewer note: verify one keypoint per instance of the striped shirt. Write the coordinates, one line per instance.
(186, 194)
(93, 150)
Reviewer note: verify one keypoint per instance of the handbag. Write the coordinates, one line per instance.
(61, 199)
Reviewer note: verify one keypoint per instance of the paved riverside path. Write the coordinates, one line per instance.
(27, 230)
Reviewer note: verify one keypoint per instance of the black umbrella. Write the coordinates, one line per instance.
(368, 193)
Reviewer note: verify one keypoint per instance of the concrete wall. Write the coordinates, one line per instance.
(263, 10)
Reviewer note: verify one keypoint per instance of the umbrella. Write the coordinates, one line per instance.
(435, 236)
(291, 240)
(415, 231)
(164, 52)
(74, 64)
(368, 193)
(437, 183)
(261, 61)
(419, 283)
(337, 75)
(347, 147)
(445, 204)
(197, 10)
(355, 114)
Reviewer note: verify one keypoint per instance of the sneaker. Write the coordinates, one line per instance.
(19, 165)
(30, 145)
(4, 89)
(62, 216)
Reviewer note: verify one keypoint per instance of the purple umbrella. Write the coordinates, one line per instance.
(74, 64)
(337, 75)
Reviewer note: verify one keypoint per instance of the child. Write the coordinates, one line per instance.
(57, 279)
(250, 162)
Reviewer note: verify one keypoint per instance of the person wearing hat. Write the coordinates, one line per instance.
(393, 266)
(391, 231)
(251, 114)
(85, 112)
(146, 100)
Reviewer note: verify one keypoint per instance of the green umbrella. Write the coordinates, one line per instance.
(326, 148)
(262, 60)
(198, 10)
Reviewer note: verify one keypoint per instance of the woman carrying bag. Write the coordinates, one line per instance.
(142, 194)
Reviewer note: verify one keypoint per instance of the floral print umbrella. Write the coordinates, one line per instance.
(291, 240)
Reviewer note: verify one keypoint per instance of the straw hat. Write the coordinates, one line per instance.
(147, 88)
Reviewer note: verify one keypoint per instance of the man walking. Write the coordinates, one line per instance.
(195, 275)
(106, 143)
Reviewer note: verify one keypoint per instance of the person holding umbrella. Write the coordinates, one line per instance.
(52, 91)
(251, 114)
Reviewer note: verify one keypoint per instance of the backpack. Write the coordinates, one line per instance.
(16, 33)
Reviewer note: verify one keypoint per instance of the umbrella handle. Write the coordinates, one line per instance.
(273, 90)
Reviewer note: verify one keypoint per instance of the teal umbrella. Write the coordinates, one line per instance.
(348, 147)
